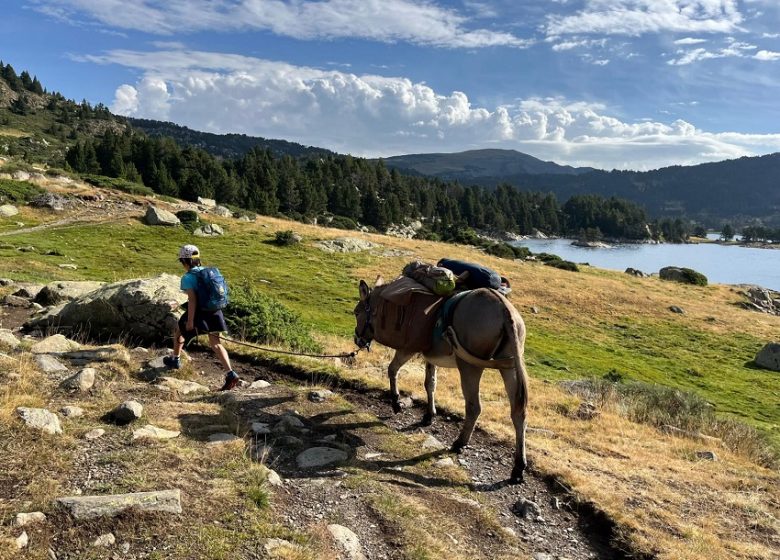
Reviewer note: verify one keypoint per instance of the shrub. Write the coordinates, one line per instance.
(563, 265)
(521, 252)
(427, 234)
(287, 237)
(119, 184)
(502, 250)
(683, 275)
(342, 222)
(547, 257)
(18, 192)
(257, 317)
(57, 172)
(189, 219)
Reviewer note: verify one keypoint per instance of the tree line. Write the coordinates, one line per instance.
(354, 190)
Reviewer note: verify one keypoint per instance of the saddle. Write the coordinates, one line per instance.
(405, 314)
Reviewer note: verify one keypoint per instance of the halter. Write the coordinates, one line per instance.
(360, 339)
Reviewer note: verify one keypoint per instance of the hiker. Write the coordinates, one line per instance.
(478, 276)
(197, 320)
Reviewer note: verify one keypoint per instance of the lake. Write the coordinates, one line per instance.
(721, 264)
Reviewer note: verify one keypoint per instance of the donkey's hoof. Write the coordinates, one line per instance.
(457, 448)
(517, 476)
(396, 407)
(427, 419)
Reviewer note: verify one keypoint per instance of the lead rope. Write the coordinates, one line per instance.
(343, 355)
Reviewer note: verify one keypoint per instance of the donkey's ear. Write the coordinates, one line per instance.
(379, 281)
(365, 291)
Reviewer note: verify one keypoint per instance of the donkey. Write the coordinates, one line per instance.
(483, 325)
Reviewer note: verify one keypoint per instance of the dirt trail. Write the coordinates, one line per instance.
(466, 494)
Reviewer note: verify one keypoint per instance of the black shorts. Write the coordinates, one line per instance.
(205, 322)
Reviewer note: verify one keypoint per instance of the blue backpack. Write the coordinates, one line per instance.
(212, 290)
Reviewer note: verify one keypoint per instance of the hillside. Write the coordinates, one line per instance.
(475, 164)
(664, 498)
(225, 145)
(737, 190)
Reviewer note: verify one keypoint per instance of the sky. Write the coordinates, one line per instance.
(611, 84)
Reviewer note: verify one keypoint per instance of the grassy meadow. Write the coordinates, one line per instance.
(665, 501)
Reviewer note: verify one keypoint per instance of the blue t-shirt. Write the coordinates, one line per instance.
(190, 280)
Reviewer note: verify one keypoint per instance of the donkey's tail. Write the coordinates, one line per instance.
(515, 333)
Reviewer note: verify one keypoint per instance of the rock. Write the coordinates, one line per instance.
(16, 301)
(347, 542)
(321, 395)
(207, 202)
(28, 291)
(432, 443)
(90, 507)
(634, 272)
(526, 509)
(288, 423)
(50, 201)
(40, 419)
(6, 282)
(222, 211)
(769, 357)
(27, 249)
(181, 386)
(68, 266)
(273, 478)
(127, 412)
(49, 364)
(406, 402)
(107, 539)
(159, 217)
(8, 340)
(444, 463)
(72, 411)
(706, 455)
(676, 309)
(346, 245)
(279, 548)
(221, 438)
(259, 384)
(141, 309)
(209, 230)
(586, 411)
(153, 432)
(101, 354)
(83, 381)
(509, 532)
(22, 540)
(247, 218)
(58, 292)
(95, 434)
(54, 344)
(315, 457)
(590, 244)
(24, 519)
(260, 428)
(542, 556)
(289, 441)
(8, 210)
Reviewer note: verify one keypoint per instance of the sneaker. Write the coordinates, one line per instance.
(172, 362)
(231, 380)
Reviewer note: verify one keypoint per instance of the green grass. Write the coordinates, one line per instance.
(17, 192)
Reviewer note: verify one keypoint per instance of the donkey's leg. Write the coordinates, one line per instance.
(400, 358)
(469, 383)
(430, 389)
(517, 411)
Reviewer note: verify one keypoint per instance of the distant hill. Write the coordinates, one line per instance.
(741, 190)
(224, 145)
(478, 164)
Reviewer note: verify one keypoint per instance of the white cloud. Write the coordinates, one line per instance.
(767, 55)
(577, 43)
(638, 17)
(374, 115)
(734, 49)
(689, 41)
(424, 22)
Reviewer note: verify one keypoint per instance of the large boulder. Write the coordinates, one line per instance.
(143, 309)
(209, 230)
(222, 211)
(769, 357)
(159, 217)
(8, 210)
(346, 245)
(58, 292)
(90, 507)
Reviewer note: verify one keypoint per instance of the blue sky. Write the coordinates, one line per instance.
(628, 84)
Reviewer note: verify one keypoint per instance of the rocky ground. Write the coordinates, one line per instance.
(348, 478)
